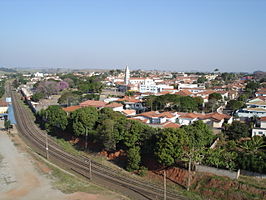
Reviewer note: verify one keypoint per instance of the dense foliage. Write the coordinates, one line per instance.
(174, 102)
(112, 131)
(54, 117)
(237, 130)
(2, 88)
(37, 96)
(234, 104)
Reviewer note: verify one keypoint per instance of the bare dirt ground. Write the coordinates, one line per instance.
(23, 178)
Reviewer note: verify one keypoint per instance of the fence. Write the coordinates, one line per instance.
(254, 174)
(219, 172)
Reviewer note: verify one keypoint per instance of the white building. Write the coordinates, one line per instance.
(144, 81)
(155, 117)
(251, 112)
(255, 108)
(38, 75)
(261, 131)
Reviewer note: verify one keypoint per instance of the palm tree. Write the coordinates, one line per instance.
(253, 145)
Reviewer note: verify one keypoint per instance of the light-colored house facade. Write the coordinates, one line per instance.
(261, 131)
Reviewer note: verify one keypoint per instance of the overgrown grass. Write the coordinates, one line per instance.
(203, 185)
(69, 184)
(68, 147)
(191, 195)
(255, 182)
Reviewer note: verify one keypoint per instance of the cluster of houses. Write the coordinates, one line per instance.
(161, 84)
(158, 119)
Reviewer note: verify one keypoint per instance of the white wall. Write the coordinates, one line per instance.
(258, 131)
(119, 109)
(262, 124)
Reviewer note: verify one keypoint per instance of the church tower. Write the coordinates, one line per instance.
(127, 75)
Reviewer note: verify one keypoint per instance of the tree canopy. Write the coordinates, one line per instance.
(54, 117)
(237, 130)
(84, 120)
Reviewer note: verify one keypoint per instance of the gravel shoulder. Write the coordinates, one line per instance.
(24, 177)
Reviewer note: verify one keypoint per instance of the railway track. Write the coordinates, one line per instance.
(103, 175)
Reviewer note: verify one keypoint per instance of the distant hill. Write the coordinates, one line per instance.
(3, 69)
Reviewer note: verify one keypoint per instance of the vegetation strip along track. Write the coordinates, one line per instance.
(37, 138)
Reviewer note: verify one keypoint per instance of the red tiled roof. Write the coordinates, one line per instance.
(93, 103)
(184, 93)
(137, 78)
(156, 114)
(129, 99)
(71, 108)
(189, 115)
(206, 92)
(113, 105)
(215, 116)
(171, 125)
(263, 119)
(163, 93)
(261, 92)
(3, 104)
(141, 120)
(166, 114)
(129, 112)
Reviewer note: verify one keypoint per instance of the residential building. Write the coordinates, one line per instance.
(261, 130)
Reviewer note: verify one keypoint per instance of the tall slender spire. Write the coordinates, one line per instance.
(127, 75)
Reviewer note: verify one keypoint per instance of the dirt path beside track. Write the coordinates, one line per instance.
(22, 179)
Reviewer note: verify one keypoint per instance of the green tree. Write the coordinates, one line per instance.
(253, 86)
(90, 85)
(215, 96)
(220, 158)
(237, 130)
(106, 134)
(37, 96)
(54, 117)
(228, 77)
(234, 104)
(131, 136)
(243, 97)
(169, 145)
(254, 145)
(84, 122)
(198, 137)
(130, 93)
(69, 98)
(7, 124)
(252, 162)
(133, 158)
(201, 79)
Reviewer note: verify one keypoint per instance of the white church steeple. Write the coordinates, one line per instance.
(127, 75)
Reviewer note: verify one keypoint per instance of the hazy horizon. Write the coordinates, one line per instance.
(149, 35)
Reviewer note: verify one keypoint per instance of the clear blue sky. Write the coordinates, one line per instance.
(172, 35)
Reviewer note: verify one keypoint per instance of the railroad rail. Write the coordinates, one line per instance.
(103, 175)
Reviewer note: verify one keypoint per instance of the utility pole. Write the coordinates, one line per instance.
(46, 140)
(90, 169)
(189, 172)
(164, 184)
(86, 139)
(89, 161)
(46, 146)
